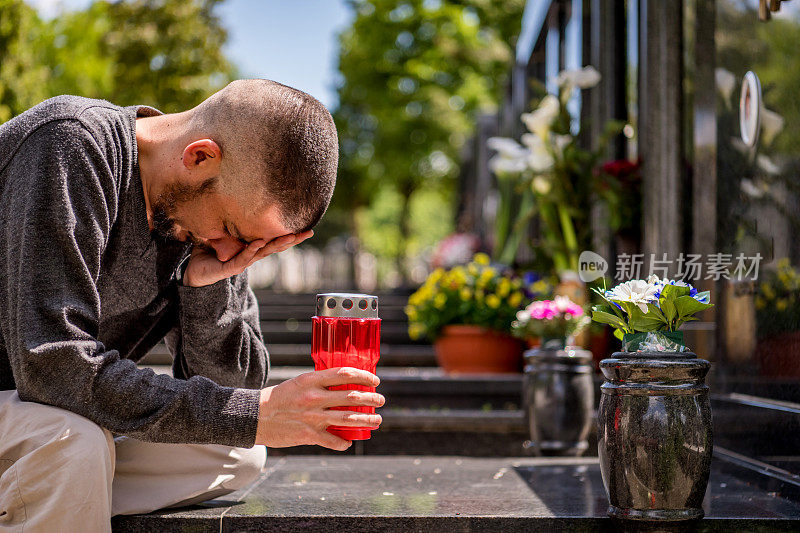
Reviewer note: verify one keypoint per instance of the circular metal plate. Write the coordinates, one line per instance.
(346, 305)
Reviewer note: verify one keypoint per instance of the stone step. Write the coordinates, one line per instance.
(303, 494)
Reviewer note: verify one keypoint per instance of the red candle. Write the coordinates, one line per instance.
(347, 332)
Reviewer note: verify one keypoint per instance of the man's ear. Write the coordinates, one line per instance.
(204, 154)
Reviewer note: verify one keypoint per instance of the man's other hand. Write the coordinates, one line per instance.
(204, 268)
(298, 410)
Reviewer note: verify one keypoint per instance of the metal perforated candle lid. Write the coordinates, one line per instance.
(343, 305)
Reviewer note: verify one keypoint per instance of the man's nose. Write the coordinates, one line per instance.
(226, 248)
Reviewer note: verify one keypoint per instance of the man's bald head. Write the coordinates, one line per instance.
(279, 145)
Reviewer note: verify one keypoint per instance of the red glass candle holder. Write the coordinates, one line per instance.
(347, 332)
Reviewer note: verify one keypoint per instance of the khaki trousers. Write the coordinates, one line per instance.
(61, 472)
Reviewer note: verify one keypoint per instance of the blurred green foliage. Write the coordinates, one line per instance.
(414, 75)
(22, 74)
(164, 53)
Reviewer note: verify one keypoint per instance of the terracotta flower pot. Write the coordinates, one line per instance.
(464, 349)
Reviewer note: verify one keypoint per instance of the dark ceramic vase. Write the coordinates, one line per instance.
(654, 435)
(558, 394)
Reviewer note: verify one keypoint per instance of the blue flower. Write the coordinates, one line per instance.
(530, 277)
(704, 299)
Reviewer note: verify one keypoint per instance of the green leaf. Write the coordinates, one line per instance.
(677, 290)
(667, 303)
(619, 334)
(688, 306)
(646, 322)
(653, 309)
(607, 318)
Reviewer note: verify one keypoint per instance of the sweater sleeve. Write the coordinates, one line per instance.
(219, 334)
(53, 233)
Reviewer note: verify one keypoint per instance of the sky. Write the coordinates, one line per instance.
(289, 41)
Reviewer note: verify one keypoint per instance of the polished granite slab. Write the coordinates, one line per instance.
(301, 493)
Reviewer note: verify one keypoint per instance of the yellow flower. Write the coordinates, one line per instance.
(767, 291)
(760, 303)
(540, 286)
(781, 304)
(479, 294)
(465, 294)
(515, 299)
(503, 288)
(486, 277)
(493, 301)
(472, 268)
(436, 275)
(481, 259)
(440, 300)
(415, 331)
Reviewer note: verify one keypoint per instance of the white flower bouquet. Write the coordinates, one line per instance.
(647, 314)
(548, 174)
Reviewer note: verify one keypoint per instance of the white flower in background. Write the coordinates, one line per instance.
(560, 142)
(771, 125)
(637, 291)
(585, 78)
(540, 159)
(541, 162)
(541, 118)
(563, 303)
(751, 189)
(766, 164)
(542, 184)
(511, 157)
(505, 146)
(726, 82)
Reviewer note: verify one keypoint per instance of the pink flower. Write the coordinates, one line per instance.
(561, 307)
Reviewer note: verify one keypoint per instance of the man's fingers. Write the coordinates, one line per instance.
(354, 419)
(243, 259)
(346, 375)
(332, 442)
(281, 244)
(353, 398)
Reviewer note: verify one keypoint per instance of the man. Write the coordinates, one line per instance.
(123, 226)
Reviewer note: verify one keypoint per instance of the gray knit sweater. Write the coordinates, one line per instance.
(86, 291)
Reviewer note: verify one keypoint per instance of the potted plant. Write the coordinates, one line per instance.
(558, 393)
(654, 420)
(777, 305)
(467, 311)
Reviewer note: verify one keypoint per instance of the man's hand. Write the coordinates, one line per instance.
(204, 268)
(297, 411)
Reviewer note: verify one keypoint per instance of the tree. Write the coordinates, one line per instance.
(413, 77)
(22, 74)
(165, 53)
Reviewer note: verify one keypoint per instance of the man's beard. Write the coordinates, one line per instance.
(169, 200)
